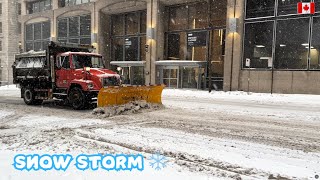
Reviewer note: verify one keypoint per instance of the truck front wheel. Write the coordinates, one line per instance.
(29, 97)
(77, 99)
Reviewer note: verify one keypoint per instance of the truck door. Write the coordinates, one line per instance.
(63, 73)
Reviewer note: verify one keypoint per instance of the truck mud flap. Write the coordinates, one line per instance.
(119, 95)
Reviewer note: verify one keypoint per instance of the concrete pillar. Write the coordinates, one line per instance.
(55, 4)
(104, 41)
(154, 18)
(95, 14)
(23, 8)
(233, 46)
(54, 22)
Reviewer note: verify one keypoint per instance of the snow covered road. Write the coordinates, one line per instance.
(218, 136)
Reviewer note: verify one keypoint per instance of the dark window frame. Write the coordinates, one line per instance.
(277, 18)
(80, 37)
(66, 3)
(140, 35)
(43, 40)
(31, 6)
(273, 44)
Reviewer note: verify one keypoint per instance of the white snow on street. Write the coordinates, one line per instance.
(52, 122)
(222, 135)
(4, 114)
(248, 155)
(9, 91)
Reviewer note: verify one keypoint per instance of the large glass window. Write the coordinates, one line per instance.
(292, 44)
(118, 25)
(198, 19)
(195, 15)
(260, 8)
(128, 36)
(75, 29)
(39, 6)
(187, 35)
(315, 44)
(217, 54)
(132, 25)
(64, 3)
(219, 13)
(176, 46)
(191, 36)
(288, 6)
(258, 45)
(118, 47)
(178, 18)
(317, 2)
(37, 36)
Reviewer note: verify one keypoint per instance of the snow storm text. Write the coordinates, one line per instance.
(83, 162)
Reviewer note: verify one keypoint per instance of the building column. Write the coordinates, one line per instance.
(23, 8)
(103, 34)
(95, 21)
(54, 21)
(55, 4)
(154, 34)
(232, 66)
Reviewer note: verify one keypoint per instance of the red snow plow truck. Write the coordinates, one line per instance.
(73, 74)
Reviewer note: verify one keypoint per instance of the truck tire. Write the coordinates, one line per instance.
(77, 98)
(29, 97)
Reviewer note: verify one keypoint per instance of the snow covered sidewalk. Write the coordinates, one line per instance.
(239, 96)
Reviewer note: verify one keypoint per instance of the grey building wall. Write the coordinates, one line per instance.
(101, 10)
(10, 37)
(261, 81)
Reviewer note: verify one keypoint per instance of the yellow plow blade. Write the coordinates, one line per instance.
(119, 95)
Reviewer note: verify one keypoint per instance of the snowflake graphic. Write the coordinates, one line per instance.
(158, 161)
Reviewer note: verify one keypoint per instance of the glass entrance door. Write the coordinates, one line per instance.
(171, 77)
(217, 55)
(133, 75)
(204, 46)
(193, 77)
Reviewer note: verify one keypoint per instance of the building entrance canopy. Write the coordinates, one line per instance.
(181, 63)
(128, 63)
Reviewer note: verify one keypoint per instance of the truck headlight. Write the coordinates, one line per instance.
(90, 86)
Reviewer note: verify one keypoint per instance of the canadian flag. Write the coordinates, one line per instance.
(306, 8)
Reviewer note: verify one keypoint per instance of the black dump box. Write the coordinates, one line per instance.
(31, 66)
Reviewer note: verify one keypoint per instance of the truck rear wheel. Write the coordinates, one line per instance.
(29, 97)
(77, 98)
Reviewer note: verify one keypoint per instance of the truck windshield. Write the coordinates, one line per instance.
(81, 61)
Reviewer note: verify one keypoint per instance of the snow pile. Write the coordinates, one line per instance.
(10, 91)
(126, 109)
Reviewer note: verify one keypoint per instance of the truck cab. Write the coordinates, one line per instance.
(82, 74)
